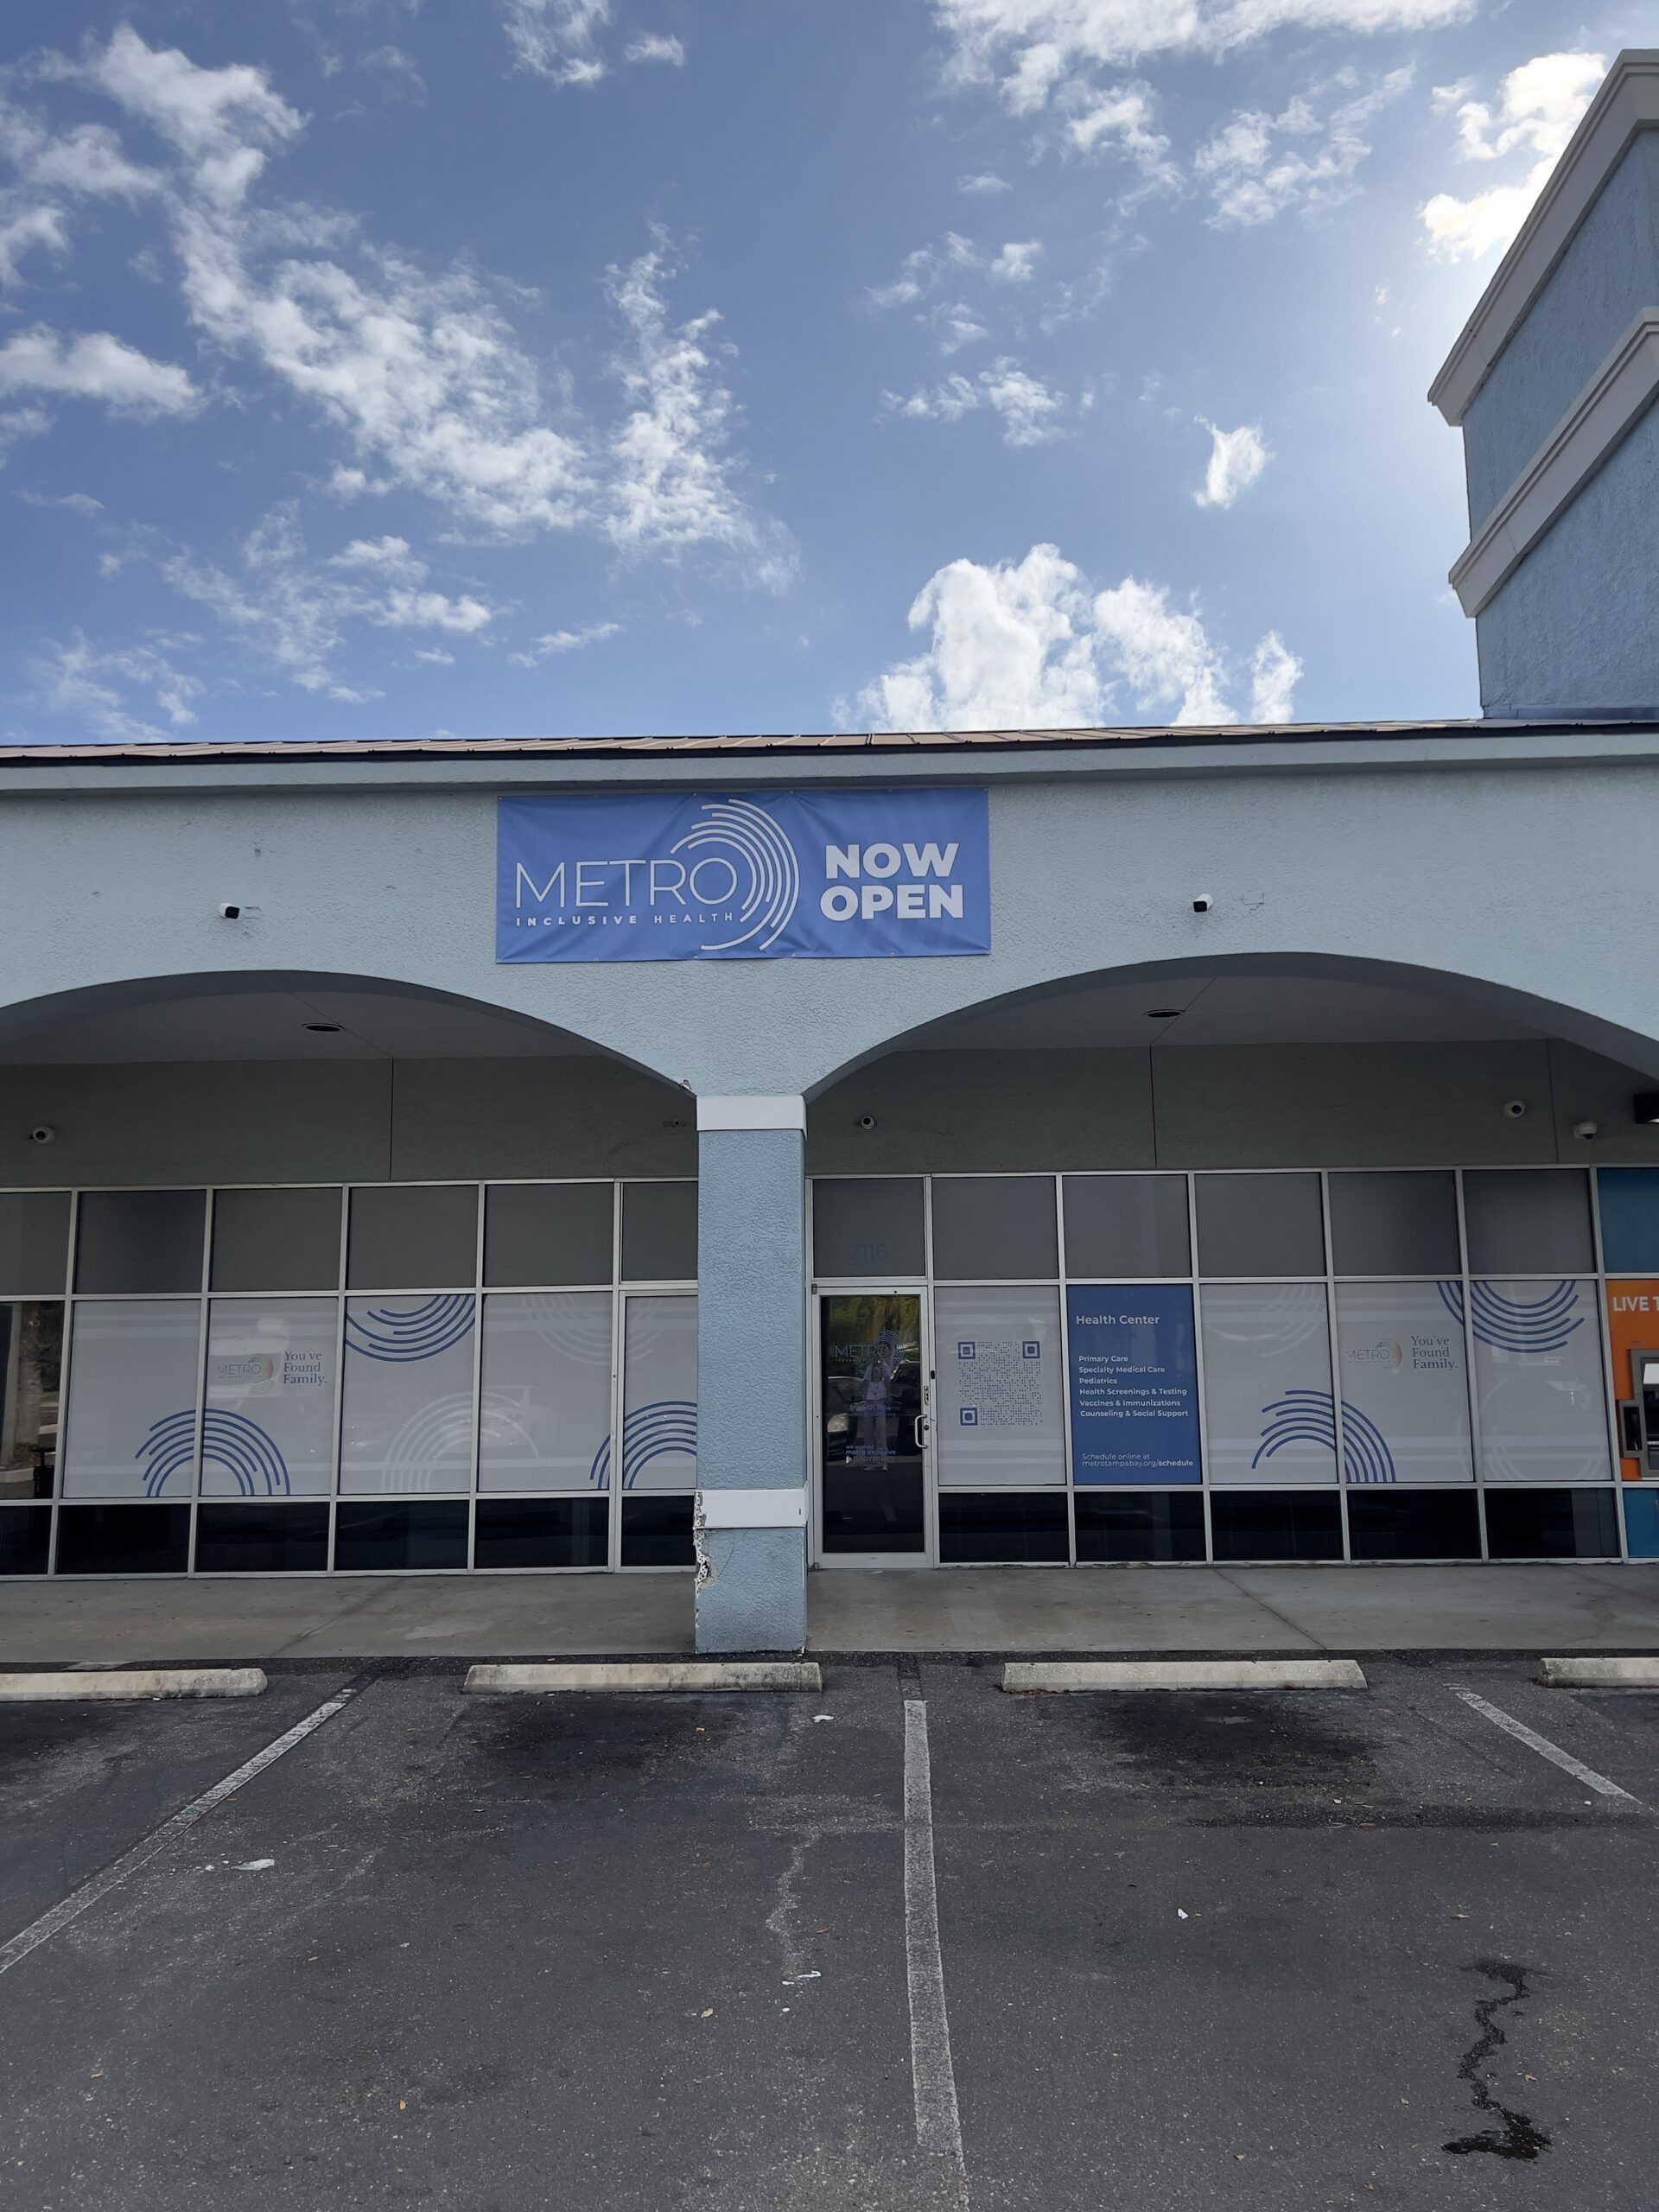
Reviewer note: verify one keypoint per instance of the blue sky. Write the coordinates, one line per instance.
(370, 368)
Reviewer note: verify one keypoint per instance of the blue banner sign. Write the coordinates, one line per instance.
(1134, 1384)
(745, 876)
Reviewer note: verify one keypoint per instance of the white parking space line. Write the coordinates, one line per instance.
(1544, 1748)
(939, 2126)
(99, 1886)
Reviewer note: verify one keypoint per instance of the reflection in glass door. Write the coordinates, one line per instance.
(872, 1425)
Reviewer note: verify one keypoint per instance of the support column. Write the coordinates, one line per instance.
(752, 1395)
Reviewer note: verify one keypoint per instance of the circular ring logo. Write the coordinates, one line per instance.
(743, 858)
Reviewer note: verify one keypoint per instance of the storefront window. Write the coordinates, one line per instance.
(408, 1407)
(1403, 1225)
(276, 1240)
(1528, 1221)
(869, 1225)
(1539, 1382)
(1267, 1383)
(1405, 1384)
(34, 1243)
(131, 1427)
(1002, 1418)
(269, 1428)
(1119, 1227)
(659, 1421)
(994, 1228)
(1260, 1225)
(31, 1358)
(545, 1408)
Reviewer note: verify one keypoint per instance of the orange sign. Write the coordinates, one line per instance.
(1632, 1326)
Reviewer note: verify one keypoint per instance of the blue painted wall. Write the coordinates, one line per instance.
(1607, 276)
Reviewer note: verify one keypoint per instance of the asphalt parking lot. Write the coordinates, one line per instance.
(1288, 1950)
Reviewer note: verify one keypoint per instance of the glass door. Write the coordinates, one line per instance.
(873, 1428)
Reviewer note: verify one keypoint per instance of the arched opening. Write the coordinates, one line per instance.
(306, 1273)
(1240, 1262)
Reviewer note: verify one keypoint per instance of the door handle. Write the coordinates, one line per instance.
(917, 1427)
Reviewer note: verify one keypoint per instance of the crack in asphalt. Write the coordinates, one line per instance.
(1517, 2137)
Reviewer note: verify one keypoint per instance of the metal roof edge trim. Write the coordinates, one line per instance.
(876, 744)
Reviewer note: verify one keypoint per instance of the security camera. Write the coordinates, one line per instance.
(42, 1134)
(867, 1120)
(230, 911)
(1202, 903)
(1585, 1129)
(1515, 1108)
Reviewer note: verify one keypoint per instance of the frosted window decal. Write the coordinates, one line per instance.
(1405, 1388)
(1001, 1416)
(131, 1427)
(1266, 1384)
(1539, 1382)
(269, 1427)
(407, 1424)
(660, 1419)
(545, 1422)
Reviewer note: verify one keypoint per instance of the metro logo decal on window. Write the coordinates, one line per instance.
(755, 875)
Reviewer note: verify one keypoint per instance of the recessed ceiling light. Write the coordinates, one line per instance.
(324, 1028)
(1164, 1013)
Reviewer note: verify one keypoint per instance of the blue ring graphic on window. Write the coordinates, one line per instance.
(1366, 1454)
(1300, 1417)
(229, 1440)
(417, 1332)
(1534, 1324)
(650, 1433)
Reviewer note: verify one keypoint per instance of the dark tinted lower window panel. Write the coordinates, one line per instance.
(873, 1508)
(997, 1525)
(1140, 1524)
(542, 1532)
(429, 1533)
(1276, 1524)
(1551, 1524)
(123, 1539)
(1414, 1524)
(262, 1539)
(656, 1532)
(25, 1539)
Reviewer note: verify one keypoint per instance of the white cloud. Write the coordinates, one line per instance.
(1165, 655)
(1011, 647)
(21, 422)
(1029, 644)
(1539, 105)
(21, 234)
(1117, 119)
(1275, 673)
(435, 656)
(556, 642)
(223, 121)
(95, 366)
(670, 481)
(1017, 262)
(1259, 166)
(93, 688)
(1028, 410)
(564, 39)
(1032, 48)
(986, 181)
(656, 46)
(1237, 459)
(924, 270)
(424, 373)
(295, 614)
(558, 39)
(74, 503)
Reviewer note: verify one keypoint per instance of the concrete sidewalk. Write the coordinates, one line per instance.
(1019, 1611)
